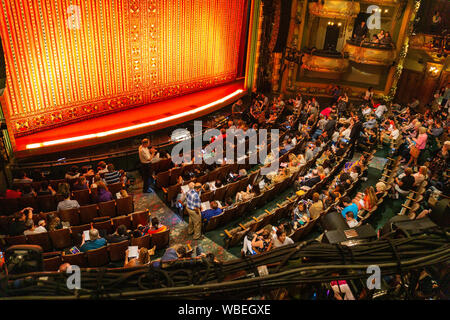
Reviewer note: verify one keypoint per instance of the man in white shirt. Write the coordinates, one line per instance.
(146, 156)
(34, 230)
(280, 239)
(381, 109)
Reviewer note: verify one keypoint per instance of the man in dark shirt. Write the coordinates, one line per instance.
(118, 236)
(360, 31)
(354, 135)
(405, 184)
(18, 224)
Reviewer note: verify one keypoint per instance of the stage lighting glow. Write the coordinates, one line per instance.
(138, 126)
(69, 61)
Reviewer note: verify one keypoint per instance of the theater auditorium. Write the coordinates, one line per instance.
(224, 149)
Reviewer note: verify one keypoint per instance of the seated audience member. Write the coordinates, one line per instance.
(156, 226)
(54, 223)
(13, 193)
(45, 189)
(19, 222)
(72, 173)
(142, 260)
(122, 194)
(366, 200)
(317, 207)
(28, 192)
(349, 206)
(248, 194)
(86, 172)
(280, 239)
(103, 193)
(420, 176)
(311, 180)
(262, 243)
(121, 234)
(350, 218)
(214, 211)
(300, 215)
(94, 242)
(112, 175)
(101, 167)
(80, 184)
(67, 203)
(22, 178)
(32, 229)
(380, 189)
(97, 178)
(404, 183)
(63, 188)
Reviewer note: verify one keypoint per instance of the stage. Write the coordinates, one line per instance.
(130, 122)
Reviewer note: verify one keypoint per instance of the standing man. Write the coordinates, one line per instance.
(145, 157)
(354, 134)
(193, 208)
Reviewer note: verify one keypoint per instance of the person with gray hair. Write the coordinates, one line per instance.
(94, 242)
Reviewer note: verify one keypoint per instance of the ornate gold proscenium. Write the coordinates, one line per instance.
(325, 64)
(336, 9)
(366, 55)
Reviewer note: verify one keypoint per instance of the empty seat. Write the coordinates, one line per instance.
(9, 206)
(125, 220)
(88, 213)
(141, 242)
(124, 205)
(46, 203)
(78, 259)
(52, 262)
(61, 239)
(161, 239)
(117, 250)
(107, 209)
(12, 241)
(115, 188)
(72, 216)
(97, 257)
(82, 196)
(140, 217)
(40, 239)
(106, 226)
(28, 202)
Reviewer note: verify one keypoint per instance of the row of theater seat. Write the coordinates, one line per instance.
(242, 209)
(47, 203)
(102, 257)
(168, 180)
(66, 238)
(235, 236)
(82, 215)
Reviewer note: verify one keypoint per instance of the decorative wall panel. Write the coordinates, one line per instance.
(68, 60)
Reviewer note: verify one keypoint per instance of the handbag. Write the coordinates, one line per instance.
(414, 151)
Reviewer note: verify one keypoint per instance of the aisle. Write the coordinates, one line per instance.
(178, 227)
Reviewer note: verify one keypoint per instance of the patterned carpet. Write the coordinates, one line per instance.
(178, 226)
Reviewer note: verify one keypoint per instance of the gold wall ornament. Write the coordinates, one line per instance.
(367, 55)
(336, 9)
(325, 64)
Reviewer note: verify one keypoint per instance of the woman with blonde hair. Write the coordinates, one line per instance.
(380, 189)
(417, 145)
(420, 176)
(141, 260)
(366, 200)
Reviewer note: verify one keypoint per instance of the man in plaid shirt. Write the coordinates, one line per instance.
(193, 205)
